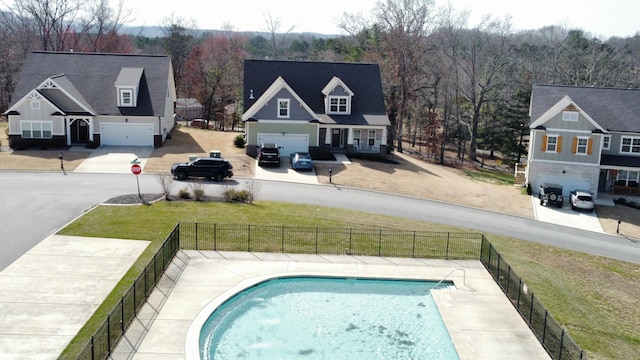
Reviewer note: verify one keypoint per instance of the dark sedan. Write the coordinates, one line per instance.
(301, 161)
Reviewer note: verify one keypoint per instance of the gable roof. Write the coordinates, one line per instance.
(91, 79)
(275, 87)
(613, 109)
(308, 79)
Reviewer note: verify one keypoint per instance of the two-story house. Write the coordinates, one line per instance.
(585, 138)
(303, 106)
(70, 98)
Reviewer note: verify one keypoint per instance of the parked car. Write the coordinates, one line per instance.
(301, 161)
(209, 168)
(582, 199)
(550, 194)
(269, 154)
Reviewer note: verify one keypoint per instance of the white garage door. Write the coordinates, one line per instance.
(568, 183)
(288, 143)
(126, 134)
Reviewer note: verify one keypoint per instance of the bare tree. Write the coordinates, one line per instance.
(54, 20)
(102, 22)
(278, 38)
(404, 24)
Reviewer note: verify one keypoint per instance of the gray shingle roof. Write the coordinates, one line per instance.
(308, 79)
(614, 109)
(94, 76)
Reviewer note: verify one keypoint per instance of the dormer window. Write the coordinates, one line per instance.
(339, 105)
(127, 85)
(337, 97)
(283, 108)
(126, 97)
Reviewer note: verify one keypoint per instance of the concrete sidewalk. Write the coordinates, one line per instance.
(49, 293)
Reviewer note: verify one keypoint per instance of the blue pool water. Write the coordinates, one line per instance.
(328, 318)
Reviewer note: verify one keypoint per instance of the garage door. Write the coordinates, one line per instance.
(126, 134)
(568, 183)
(288, 143)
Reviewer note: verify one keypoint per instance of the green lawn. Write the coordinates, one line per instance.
(594, 297)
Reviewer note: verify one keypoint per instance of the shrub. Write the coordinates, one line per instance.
(184, 194)
(197, 187)
(166, 183)
(238, 141)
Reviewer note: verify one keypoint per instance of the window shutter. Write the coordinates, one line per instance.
(559, 147)
(575, 145)
(544, 143)
(589, 146)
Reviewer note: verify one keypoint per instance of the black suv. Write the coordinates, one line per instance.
(269, 154)
(550, 194)
(210, 168)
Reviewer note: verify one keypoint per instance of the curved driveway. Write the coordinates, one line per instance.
(35, 205)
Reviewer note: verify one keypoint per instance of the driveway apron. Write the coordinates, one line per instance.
(114, 159)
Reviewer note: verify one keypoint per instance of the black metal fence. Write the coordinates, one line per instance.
(321, 240)
(549, 332)
(112, 329)
(318, 240)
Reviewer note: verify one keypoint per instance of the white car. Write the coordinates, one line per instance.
(582, 199)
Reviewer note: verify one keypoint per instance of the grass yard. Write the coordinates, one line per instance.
(594, 297)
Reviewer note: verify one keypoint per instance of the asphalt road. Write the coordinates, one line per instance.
(36, 205)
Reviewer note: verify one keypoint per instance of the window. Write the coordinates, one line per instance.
(126, 98)
(627, 178)
(36, 129)
(339, 104)
(582, 145)
(630, 145)
(569, 116)
(552, 143)
(372, 137)
(283, 108)
(606, 142)
(35, 105)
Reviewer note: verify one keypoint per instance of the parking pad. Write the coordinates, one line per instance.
(114, 159)
(565, 216)
(284, 172)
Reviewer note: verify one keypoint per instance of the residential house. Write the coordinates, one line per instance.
(306, 106)
(188, 109)
(585, 138)
(69, 98)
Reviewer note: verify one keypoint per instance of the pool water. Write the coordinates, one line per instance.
(328, 318)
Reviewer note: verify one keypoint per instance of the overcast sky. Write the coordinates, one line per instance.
(601, 18)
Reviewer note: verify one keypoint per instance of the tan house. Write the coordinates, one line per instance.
(68, 98)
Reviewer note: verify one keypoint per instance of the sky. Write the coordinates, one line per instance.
(600, 18)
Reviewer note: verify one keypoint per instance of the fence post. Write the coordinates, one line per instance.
(215, 237)
(508, 280)
(316, 240)
(122, 317)
(531, 310)
(413, 247)
(544, 326)
(282, 237)
(196, 236)
(446, 255)
(108, 335)
(93, 348)
(562, 344)
(249, 238)
(380, 243)
(350, 239)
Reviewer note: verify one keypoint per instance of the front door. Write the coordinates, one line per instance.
(79, 131)
(336, 138)
(602, 183)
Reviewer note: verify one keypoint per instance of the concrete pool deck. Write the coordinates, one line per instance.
(480, 319)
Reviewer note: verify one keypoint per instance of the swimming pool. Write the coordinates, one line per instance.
(318, 318)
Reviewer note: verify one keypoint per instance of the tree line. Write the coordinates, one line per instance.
(444, 81)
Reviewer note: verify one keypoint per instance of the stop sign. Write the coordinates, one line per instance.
(136, 169)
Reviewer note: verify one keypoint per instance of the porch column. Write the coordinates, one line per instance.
(350, 136)
(327, 136)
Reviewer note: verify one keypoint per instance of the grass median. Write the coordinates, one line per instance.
(593, 297)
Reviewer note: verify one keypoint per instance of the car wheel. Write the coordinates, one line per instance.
(182, 175)
(219, 177)
(573, 207)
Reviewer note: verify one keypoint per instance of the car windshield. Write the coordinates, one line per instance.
(304, 157)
